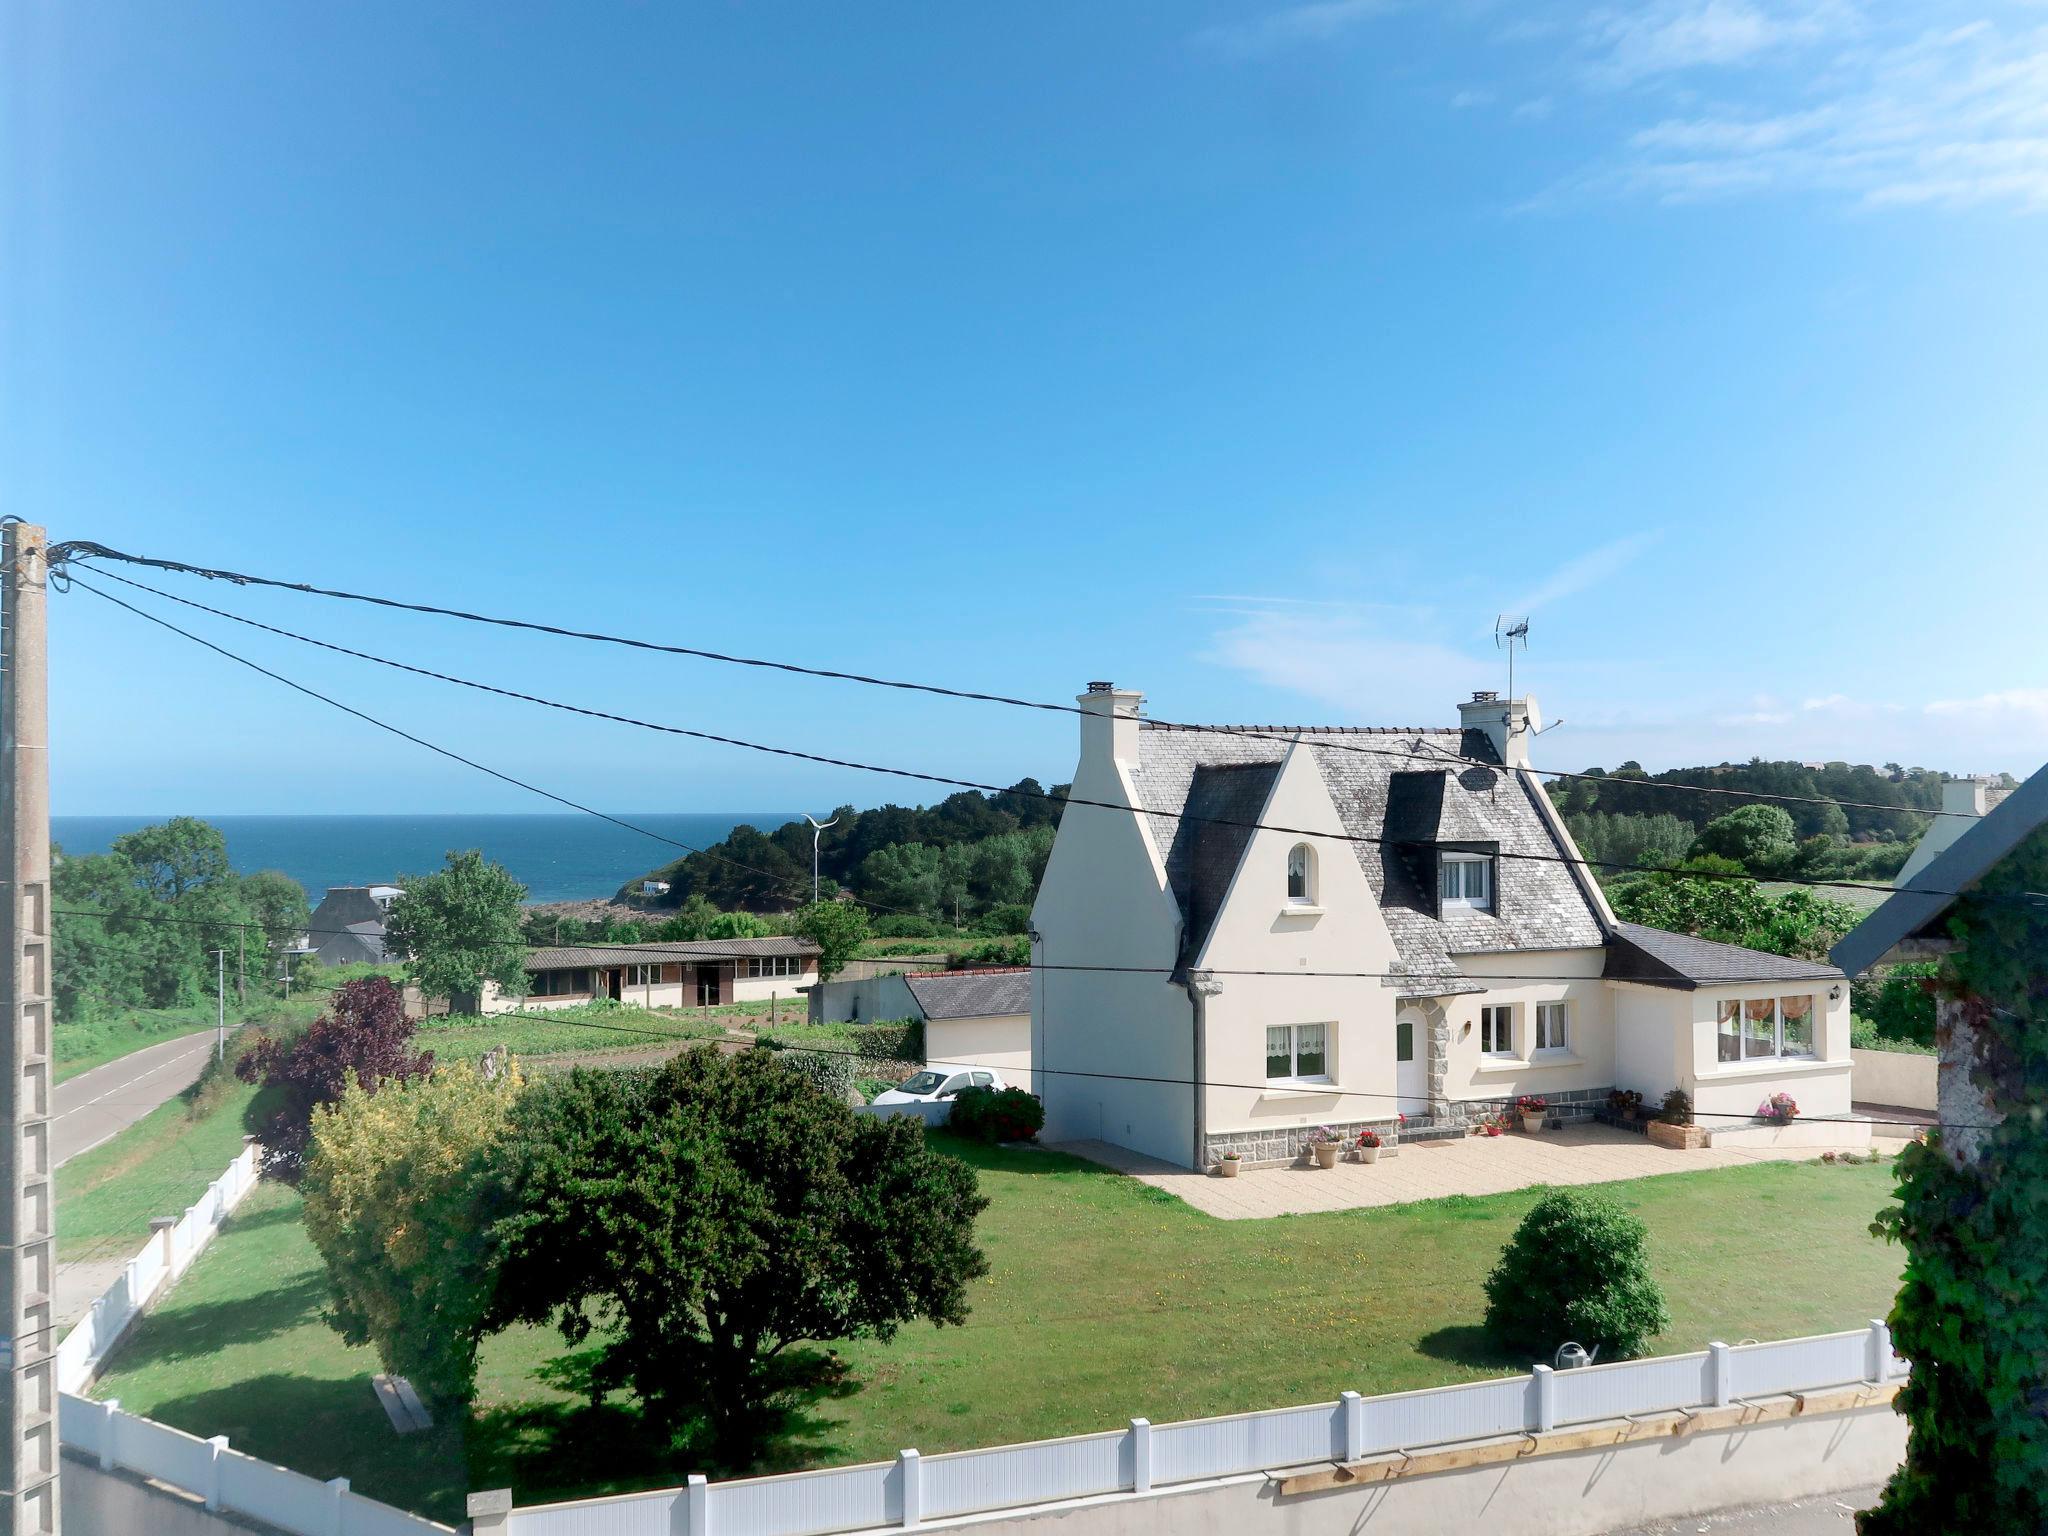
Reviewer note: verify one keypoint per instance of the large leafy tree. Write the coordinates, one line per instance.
(459, 927)
(1760, 838)
(706, 1216)
(1735, 911)
(173, 857)
(364, 1038)
(402, 1190)
(1576, 1271)
(839, 928)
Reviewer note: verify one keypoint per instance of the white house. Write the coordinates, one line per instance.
(674, 974)
(974, 1018)
(1260, 930)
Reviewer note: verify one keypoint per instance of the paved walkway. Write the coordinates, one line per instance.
(97, 1106)
(1823, 1514)
(1429, 1170)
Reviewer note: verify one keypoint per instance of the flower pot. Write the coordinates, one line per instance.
(1326, 1153)
(1227, 1167)
(1368, 1154)
(1532, 1123)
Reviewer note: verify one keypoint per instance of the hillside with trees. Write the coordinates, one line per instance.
(972, 860)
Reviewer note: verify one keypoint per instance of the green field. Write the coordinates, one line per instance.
(1106, 1299)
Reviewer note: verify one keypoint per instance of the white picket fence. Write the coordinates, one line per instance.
(1144, 1456)
(225, 1478)
(169, 1254)
(208, 1469)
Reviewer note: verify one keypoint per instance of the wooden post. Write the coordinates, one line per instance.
(28, 1245)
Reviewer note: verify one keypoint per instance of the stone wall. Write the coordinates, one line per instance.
(1282, 1145)
(1572, 1106)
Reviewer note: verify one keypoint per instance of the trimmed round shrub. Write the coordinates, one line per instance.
(996, 1114)
(831, 1074)
(1577, 1270)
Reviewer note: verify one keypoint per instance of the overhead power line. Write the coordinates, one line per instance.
(85, 548)
(836, 762)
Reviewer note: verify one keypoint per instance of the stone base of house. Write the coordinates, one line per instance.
(1287, 1145)
(1572, 1106)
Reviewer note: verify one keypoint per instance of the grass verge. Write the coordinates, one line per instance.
(1180, 1316)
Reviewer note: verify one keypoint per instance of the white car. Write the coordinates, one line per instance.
(935, 1086)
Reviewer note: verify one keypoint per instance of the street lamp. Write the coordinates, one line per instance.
(817, 831)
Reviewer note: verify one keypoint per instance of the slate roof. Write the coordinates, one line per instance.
(1469, 799)
(971, 994)
(565, 956)
(1660, 959)
(1201, 861)
(1925, 899)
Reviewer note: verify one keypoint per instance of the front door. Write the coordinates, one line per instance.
(707, 986)
(615, 984)
(1411, 1064)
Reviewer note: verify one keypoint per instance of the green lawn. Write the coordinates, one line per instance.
(156, 1167)
(1106, 1299)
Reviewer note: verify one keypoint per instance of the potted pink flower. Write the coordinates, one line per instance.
(1369, 1146)
(1228, 1164)
(1532, 1107)
(1323, 1145)
(1778, 1109)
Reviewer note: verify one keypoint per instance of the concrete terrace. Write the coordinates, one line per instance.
(1473, 1165)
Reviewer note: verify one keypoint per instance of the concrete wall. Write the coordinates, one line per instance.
(118, 1503)
(1001, 1041)
(1104, 901)
(1653, 1050)
(1610, 1488)
(868, 999)
(1896, 1077)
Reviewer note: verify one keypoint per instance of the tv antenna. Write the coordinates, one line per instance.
(1509, 630)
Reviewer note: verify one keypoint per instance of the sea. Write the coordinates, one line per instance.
(563, 857)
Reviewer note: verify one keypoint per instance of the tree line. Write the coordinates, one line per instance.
(162, 899)
(1628, 790)
(957, 862)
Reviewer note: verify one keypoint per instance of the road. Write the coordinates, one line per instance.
(97, 1106)
(1826, 1514)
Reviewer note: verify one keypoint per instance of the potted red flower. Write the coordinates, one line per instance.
(1369, 1146)
(1532, 1107)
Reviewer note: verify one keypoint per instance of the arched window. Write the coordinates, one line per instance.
(1301, 875)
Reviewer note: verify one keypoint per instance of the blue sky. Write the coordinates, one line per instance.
(1255, 355)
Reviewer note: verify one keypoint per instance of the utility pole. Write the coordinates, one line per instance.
(241, 967)
(28, 1238)
(220, 1003)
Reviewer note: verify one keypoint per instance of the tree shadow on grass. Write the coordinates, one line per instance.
(191, 1331)
(246, 1220)
(332, 1428)
(1469, 1344)
(575, 1448)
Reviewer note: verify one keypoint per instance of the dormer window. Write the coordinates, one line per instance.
(1301, 876)
(1465, 881)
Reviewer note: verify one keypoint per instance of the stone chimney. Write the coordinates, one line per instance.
(1508, 723)
(1109, 724)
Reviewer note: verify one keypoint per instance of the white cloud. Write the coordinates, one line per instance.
(1659, 39)
(2024, 705)
(1589, 569)
(1278, 30)
(1367, 671)
(1951, 117)
(1536, 108)
(1465, 100)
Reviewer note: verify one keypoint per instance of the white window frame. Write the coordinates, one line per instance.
(1465, 864)
(1551, 1029)
(763, 967)
(1307, 857)
(1740, 1017)
(1294, 1053)
(1492, 1017)
(644, 974)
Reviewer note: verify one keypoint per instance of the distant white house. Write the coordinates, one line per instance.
(977, 1018)
(674, 974)
(1966, 801)
(1258, 934)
